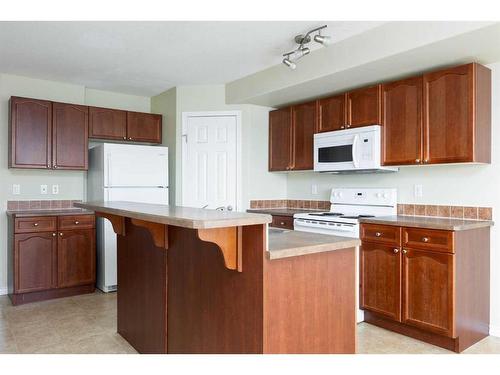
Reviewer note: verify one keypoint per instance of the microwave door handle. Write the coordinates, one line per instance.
(355, 151)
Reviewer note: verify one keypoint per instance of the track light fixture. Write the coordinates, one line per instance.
(301, 50)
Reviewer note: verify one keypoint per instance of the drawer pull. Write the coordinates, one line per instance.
(60, 234)
(396, 251)
(282, 223)
(378, 234)
(77, 222)
(425, 239)
(53, 234)
(404, 251)
(35, 224)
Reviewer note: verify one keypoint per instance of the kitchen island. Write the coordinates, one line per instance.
(204, 281)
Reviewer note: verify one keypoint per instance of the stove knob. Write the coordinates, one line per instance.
(384, 195)
(378, 195)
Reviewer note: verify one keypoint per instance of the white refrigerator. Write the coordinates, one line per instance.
(118, 172)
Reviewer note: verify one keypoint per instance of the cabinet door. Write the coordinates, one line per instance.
(304, 125)
(364, 107)
(448, 115)
(76, 257)
(105, 123)
(428, 290)
(35, 262)
(402, 122)
(70, 133)
(144, 127)
(280, 139)
(380, 279)
(332, 113)
(30, 133)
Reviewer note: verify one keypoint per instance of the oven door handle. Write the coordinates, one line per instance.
(355, 160)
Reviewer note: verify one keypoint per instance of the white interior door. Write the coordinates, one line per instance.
(210, 161)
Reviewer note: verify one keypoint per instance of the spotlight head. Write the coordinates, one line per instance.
(322, 39)
(289, 63)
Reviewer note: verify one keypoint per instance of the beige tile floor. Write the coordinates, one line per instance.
(87, 324)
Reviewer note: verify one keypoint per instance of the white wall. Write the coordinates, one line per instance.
(72, 184)
(254, 139)
(475, 185)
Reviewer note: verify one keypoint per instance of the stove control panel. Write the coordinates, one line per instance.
(364, 196)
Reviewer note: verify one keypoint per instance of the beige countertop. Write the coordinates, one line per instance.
(282, 211)
(290, 243)
(187, 217)
(442, 223)
(54, 212)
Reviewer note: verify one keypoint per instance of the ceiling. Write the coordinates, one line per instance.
(147, 58)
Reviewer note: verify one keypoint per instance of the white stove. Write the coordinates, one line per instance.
(347, 207)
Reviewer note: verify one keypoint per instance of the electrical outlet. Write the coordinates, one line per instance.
(43, 189)
(16, 189)
(314, 189)
(418, 191)
(55, 189)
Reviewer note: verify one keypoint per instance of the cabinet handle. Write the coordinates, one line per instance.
(342, 127)
(53, 234)
(60, 234)
(282, 223)
(426, 161)
(404, 251)
(129, 138)
(35, 224)
(396, 251)
(348, 126)
(378, 234)
(77, 222)
(55, 166)
(425, 239)
(124, 137)
(417, 161)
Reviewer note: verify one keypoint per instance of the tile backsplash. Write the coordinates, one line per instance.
(459, 212)
(40, 205)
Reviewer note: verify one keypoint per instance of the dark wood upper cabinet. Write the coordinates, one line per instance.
(457, 115)
(304, 125)
(380, 279)
(144, 127)
(70, 133)
(428, 286)
(402, 141)
(280, 139)
(364, 107)
(76, 257)
(332, 113)
(106, 123)
(35, 259)
(30, 143)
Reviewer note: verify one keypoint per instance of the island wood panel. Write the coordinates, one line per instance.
(309, 303)
(30, 133)
(212, 309)
(142, 292)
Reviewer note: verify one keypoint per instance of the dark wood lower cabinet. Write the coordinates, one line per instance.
(437, 290)
(44, 264)
(76, 257)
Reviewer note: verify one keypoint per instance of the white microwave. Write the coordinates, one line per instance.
(349, 150)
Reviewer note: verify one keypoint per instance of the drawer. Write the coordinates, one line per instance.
(35, 224)
(76, 222)
(386, 234)
(285, 222)
(428, 239)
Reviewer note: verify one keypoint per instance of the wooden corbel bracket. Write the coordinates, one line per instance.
(158, 231)
(118, 222)
(229, 242)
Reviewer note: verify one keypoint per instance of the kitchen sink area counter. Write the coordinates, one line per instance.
(441, 223)
(287, 243)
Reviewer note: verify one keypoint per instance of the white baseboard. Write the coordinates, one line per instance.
(495, 331)
(3, 291)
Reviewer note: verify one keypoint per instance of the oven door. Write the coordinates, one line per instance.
(336, 151)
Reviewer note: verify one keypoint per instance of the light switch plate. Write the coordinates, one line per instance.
(55, 189)
(16, 189)
(314, 189)
(43, 189)
(418, 191)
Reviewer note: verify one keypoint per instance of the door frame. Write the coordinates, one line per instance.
(237, 115)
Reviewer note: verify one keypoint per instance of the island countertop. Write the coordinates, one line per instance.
(186, 217)
(291, 243)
